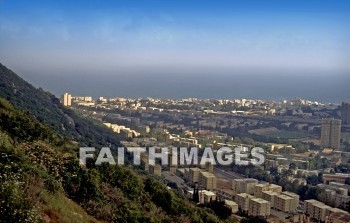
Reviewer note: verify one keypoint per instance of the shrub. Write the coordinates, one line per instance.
(15, 206)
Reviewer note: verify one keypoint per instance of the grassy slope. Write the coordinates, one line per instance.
(58, 207)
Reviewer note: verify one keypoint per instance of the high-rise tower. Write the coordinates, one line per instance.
(330, 133)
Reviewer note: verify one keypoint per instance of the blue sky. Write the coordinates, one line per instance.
(190, 33)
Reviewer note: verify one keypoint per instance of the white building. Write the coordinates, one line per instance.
(66, 99)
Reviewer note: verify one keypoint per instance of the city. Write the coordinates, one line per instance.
(177, 111)
(308, 149)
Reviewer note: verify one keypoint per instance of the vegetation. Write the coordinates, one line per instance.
(39, 169)
(220, 209)
(41, 179)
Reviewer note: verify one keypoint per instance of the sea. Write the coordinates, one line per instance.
(331, 87)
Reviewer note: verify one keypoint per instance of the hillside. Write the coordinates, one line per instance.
(41, 179)
(47, 109)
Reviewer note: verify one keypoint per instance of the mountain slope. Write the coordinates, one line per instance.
(29, 189)
(47, 109)
(39, 171)
(41, 179)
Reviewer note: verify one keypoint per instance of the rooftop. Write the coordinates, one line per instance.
(260, 201)
(284, 197)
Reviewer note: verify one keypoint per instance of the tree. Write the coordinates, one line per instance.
(220, 209)
(313, 180)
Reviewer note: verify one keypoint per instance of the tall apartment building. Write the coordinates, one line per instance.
(232, 205)
(270, 197)
(345, 113)
(316, 210)
(330, 133)
(260, 188)
(243, 201)
(207, 180)
(321, 212)
(193, 175)
(335, 199)
(259, 207)
(283, 203)
(295, 202)
(66, 99)
(244, 185)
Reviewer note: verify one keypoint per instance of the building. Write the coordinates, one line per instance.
(283, 203)
(193, 175)
(66, 99)
(336, 194)
(275, 188)
(343, 188)
(331, 211)
(335, 199)
(295, 202)
(338, 178)
(259, 207)
(206, 196)
(126, 133)
(330, 133)
(207, 181)
(259, 188)
(316, 210)
(242, 201)
(338, 217)
(345, 113)
(233, 205)
(225, 194)
(244, 185)
(270, 197)
(209, 167)
(82, 99)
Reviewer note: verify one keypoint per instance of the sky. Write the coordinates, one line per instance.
(48, 41)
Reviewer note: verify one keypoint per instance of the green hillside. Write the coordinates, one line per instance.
(39, 171)
(41, 179)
